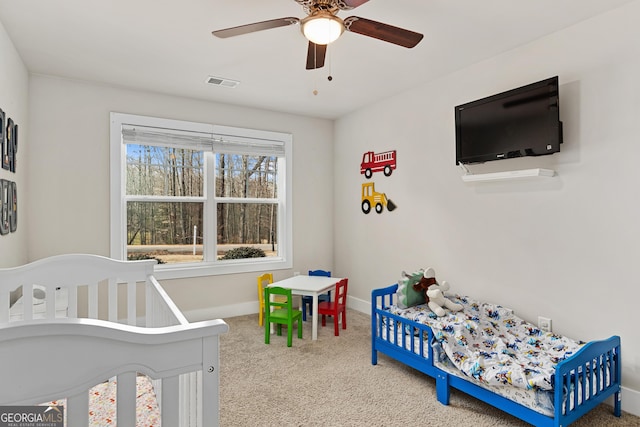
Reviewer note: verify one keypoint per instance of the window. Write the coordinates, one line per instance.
(202, 199)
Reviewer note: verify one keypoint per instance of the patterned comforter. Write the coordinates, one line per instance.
(492, 345)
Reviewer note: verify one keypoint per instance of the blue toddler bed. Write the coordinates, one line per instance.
(491, 354)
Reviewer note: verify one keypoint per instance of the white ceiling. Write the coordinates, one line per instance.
(166, 46)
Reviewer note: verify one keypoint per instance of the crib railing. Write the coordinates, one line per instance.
(94, 287)
(78, 285)
(160, 310)
(193, 388)
(89, 351)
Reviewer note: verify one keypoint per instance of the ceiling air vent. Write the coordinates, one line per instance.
(220, 81)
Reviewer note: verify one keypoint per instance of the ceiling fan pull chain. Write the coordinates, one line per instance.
(330, 76)
(315, 76)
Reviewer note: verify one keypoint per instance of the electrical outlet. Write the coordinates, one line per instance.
(544, 323)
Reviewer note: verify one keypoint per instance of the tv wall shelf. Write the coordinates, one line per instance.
(501, 176)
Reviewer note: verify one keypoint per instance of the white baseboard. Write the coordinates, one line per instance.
(630, 401)
(252, 308)
(359, 305)
(222, 312)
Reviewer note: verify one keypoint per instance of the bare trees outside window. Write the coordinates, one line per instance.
(240, 178)
(167, 222)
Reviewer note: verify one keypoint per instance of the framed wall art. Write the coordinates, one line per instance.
(4, 210)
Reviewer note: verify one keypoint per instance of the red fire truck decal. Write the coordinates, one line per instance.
(378, 162)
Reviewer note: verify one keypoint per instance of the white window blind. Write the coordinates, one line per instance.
(200, 141)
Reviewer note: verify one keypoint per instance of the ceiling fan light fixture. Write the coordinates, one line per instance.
(322, 27)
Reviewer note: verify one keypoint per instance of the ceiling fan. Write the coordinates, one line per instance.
(322, 26)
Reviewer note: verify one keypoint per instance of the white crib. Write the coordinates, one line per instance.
(83, 328)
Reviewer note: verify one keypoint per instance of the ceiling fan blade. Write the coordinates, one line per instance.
(350, 4)
(315, 55)
(380, 31)
(257, 26)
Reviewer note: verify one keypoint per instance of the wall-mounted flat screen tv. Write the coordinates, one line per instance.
(520, 122)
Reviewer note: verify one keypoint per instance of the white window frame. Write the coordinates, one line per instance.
(118, 250)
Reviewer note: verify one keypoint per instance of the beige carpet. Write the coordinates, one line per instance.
(331, 382)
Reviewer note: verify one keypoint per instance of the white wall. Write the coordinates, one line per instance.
(563, 247)
(14, 85)
(69, 175)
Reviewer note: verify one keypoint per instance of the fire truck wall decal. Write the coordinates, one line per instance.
(378, 162)
(371, 198)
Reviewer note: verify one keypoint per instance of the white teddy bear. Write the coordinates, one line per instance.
(435, 294)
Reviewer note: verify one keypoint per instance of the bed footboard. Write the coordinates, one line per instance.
(587, 379)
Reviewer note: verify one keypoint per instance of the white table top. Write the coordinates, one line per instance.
(307, 285)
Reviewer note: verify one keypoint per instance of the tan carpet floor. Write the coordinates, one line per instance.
(331, 382)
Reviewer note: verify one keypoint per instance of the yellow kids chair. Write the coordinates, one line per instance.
(264, 280)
